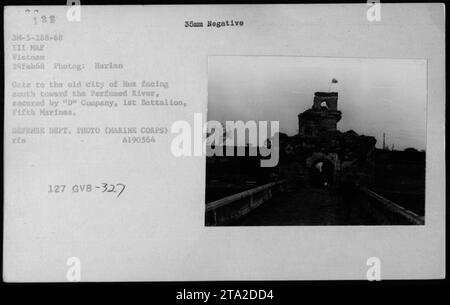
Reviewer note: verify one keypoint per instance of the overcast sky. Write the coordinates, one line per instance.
(375, 95)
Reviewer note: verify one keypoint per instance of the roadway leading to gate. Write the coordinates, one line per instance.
(312, 206)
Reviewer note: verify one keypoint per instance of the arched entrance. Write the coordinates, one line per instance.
(322, 173)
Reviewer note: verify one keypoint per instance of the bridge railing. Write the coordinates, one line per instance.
(225, 210)
(388, 212)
